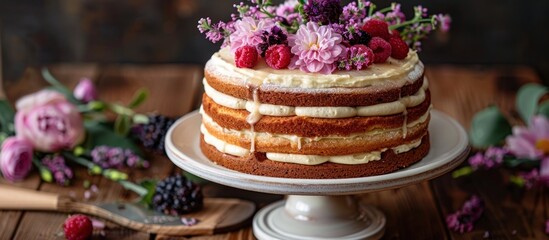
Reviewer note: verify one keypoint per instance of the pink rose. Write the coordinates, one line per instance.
(48, 121)
(85, 91)
(15, 158)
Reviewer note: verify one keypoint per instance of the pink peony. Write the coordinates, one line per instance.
(15, 158)
(48, 121)
(248, 32)
(316, 49)
(85, 91)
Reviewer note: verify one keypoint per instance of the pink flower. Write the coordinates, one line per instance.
(15, 158)
(530, 142)
(248, 32)
(85, 91)
(445, 21)
(48, 121)
(316, 48)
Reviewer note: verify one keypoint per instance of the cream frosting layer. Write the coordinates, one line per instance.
(299, 141)
(393, 73)
(382, 109)
(306, 159)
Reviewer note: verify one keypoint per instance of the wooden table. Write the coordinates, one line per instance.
(413, 212)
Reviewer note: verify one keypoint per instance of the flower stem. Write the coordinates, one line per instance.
(45, 173)
(410, 22)
(141, 191)
(92, 167)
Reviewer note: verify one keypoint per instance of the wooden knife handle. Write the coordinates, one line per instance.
(15, 198)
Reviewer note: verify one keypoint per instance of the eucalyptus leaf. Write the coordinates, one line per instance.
(99, 134)
(139, 97)
(489, 127)
(544, 109)
(527, 100)
(122, 125)
(140, 119)
(6, 117)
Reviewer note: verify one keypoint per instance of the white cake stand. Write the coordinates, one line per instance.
(319, 208)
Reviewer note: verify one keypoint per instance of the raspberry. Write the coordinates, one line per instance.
(395, 33)
(381, 48)
(399, 48)
(78, 227)
(377, 28)
(246, 57)
(278, 56)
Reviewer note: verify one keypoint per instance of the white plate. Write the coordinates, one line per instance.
(449, 147)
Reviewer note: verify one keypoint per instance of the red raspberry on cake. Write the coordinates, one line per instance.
(381, 48)
(377, 28)
(399, 48)
(78, 227)
(278, 56)
(246, 57)
(395, 33)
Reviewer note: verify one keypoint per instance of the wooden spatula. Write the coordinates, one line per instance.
(218, 215)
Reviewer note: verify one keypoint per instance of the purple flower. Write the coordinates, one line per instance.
(316, 48)
(215, 32)
(530, 178)
(445, 21)
(530, 142)
(115, 157)
(85, 91)
(15, 158)
(288, 11)
(323, 11)
(395, 16)
(248, 32)
(272, 37)
(493, 157)
(462, 220)
(358, 57)
(61, 172)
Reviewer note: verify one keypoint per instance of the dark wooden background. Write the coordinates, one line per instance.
(37, 32)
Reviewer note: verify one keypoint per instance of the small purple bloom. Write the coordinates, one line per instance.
(61, 172)
(85, 91)
(445, 21)
(530, 178)
(463, 220)
(547, 227)
(323, 11)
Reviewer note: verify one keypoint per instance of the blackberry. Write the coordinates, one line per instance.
(176, 195)
(152, 134)
(360, 37)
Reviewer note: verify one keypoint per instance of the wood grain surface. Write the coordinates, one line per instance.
(413, 212)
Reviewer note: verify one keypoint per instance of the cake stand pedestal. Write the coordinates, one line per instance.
(320, 208)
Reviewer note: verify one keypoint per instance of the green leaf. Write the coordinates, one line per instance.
(58, 86)
(514, 162)
(140, 119)
(6, 117)
(489, 127)
(527, 100)
(464, 171)
(99, 134)
(543, 109)
(139, 97)
(150, 185)
(122, 125)
(517, 180)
